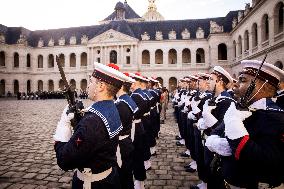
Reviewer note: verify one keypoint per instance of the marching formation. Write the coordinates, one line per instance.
(114, 139)
(233, 130)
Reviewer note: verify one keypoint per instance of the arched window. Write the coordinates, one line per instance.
(246, 40)
(72, 60)
(234, 49)
(265, 28)
(16, 60)
(28, 60)
(40, 61)
(62, 60)
(145, 57)
(61, 84)
(159, 56)
(279, 64)
(254, 33)
(84, 59)
(28, 86)
(172, 84)
(40, 85)
(2, 87)
(73, 83)
(160, 80)
(240, 46)
(186, 56)
(200, 56)
(222, 51)
(50, 85)
(16, 86)
(83, 84)
(172, 56)
(278, 19)
(113, 57)
(2, 58)
(50, 61)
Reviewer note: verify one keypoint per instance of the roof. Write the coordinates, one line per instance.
(133, 29)
(129, 12)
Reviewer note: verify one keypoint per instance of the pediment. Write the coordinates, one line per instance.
(112, 36)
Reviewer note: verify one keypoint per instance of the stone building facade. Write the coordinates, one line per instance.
(166, 49)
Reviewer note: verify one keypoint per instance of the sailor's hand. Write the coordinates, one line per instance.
(233, 119)
(63, 130)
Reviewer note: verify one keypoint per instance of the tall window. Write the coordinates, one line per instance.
(28, 60)
(113, 56)
(186, 56)
(50, 61)
(159, 56)
(84, 59)
(172, 56)
(16, 60)
(200, 56)
(278, 19)
(265, 28)
(2, 58)
(73, 60)
(240, 45)
(254, 33)
(222, 51)
(40, 61)
(246, 40)
(145, 57)
(234, 49)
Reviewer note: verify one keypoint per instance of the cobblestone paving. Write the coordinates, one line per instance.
(27, 158)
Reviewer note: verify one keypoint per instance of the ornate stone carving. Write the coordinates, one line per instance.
(40, 43)
(72, 40)
(185, 34)
(247, 9)
(2, 38)
(240, 15)
(22, 40)
(200, 33)
(215, 28)
(159, 35)
(172, 35)
(51, 42)
(84, 40)
(61, 41)
(234, 22)
(145, 36)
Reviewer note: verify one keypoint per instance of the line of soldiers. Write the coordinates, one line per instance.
(235, 138)
(116, 137)
(43, 95)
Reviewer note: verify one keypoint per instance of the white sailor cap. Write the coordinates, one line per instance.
(204, 76)
(128, 78)
(151, 79)
(108, 74)
(268, 72)
(223, 74)
(193, 78)
(138, 77)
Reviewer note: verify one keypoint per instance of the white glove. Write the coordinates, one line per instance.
(201, 124)
(63, 130)
(209, 119)
(233, 119)
(194, 107)
(218, 145)
(191, 116)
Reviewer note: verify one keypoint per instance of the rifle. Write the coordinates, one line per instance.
(75, 106)
(245, 99)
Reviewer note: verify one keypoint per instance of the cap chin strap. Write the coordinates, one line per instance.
(266, 81)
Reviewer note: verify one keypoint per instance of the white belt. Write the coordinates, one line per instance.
(118, 152)
(87, 177)
(157, 105)
(148, 113)
(133, 128)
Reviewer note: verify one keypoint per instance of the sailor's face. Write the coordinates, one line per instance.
(203, 85)
(92, 88)
(242, 85)
(212, 82)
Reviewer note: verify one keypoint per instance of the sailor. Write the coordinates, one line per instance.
(212, 116)
(256, 135)
(141, 101)
(126, 108)
(91, 149)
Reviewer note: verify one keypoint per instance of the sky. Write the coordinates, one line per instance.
(52, 14)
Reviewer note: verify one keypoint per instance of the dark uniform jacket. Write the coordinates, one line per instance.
(94, 143)
(259, 156)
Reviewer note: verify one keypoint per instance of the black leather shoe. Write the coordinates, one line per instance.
(178, 138)
(179, 144)
(190, 170)
(187, 166)
(194, 187)
(183, 154)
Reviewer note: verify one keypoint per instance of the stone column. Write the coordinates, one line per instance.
(67, 61)
(152, 58)
(193, 57)
(165, 57)
(122, 58)
(179, 58)
(250, 41)
(271, 29)
(78, 61)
